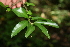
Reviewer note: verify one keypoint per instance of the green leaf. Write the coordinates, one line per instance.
(50, 23)
(29, 12)
(7, 5)
(45, 22)
(21, 25)
(37, 18)
(28, 4)
(8, 9)
(40, 18)
(44, 30)
(2, 5)
(20, 12)
(30, 29)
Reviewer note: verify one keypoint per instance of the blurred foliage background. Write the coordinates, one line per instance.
(56, 10)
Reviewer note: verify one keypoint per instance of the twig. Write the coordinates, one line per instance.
(15, 3)
(25, 7)
(18, 2)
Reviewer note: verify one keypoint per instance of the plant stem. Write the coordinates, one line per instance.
(29, 20)
(16, 3)
(25, 7)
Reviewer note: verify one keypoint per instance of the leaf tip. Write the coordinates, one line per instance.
(49, 37)
(11, 36)
(57, 27)
(25, 36)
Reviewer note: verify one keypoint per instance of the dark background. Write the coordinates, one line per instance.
(56, 10)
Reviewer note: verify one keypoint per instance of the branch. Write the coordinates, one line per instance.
(16, 3)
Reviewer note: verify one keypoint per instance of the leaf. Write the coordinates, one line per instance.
(30, 29)
(28, 4)
(40, 18)
(7, 5)
(37, 18)
(20, 12)
(21, 25)
(50, 23)
(45, 22)
(8, 9)
(29, 12)
(2, 5)
(44, 30)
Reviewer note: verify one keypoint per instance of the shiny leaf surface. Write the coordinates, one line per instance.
(40, 18)
(21, 25)
(50, 23)
(30, 29)
(44, 30)
(20, 12)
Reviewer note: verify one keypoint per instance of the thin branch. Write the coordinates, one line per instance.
(16, 3)
(25, 7)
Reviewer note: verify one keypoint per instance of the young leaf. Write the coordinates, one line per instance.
(29, 12)
(44, 30)
(7, 5)
(28, 4)
(30, 29)
(8, 9)
(21, 25)
(2, 5)
(50, 23)
(20, 12)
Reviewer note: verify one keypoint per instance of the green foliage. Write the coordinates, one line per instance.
(38, 18)
(45, 22)
(8, 9)
(57, 10)
(21, 25)
(28, 4)
(2, 5)
(21, 12)
(30, 29)
(29, 12)
(50, 23)
(44, 30)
